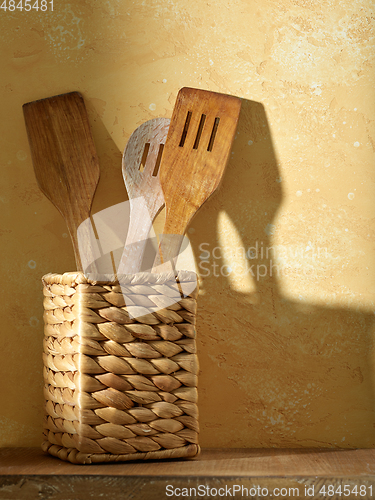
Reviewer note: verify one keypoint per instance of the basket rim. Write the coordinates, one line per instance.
(77, 278)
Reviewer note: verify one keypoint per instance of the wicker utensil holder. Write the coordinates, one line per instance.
(119, 386)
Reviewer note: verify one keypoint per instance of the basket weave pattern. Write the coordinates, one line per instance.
(119, 387)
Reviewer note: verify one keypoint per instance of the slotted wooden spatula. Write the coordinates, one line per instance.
(140, 168)
(64, 157)
(195, 155)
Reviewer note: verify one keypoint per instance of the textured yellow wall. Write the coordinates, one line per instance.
(285, 360)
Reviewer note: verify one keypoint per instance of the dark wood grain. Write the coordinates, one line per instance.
(210, 463)
(27, 473)
(64, 157)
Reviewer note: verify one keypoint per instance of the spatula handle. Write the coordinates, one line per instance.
(89, 250)
(169, 248)
(72, 229)
(139, 228)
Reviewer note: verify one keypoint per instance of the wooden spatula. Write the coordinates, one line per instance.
(195, 154)
(64, 157)
(140, 168)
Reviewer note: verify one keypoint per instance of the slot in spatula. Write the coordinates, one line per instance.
(196, 152)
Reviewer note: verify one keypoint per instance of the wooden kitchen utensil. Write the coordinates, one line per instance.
(140, 167)
(195, 154)
(64, 157)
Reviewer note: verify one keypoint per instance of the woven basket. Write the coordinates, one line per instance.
(119, 387)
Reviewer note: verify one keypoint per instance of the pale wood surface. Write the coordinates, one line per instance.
(143, 187)
(193, 163)
(27, 473)
(64, 157)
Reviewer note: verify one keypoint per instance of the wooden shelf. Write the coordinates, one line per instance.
(27, 473)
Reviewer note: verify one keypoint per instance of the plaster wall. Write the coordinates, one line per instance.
(285, 249)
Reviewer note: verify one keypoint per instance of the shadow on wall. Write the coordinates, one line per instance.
(274, 372)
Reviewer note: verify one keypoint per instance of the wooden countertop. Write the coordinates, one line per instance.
(27, 473)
